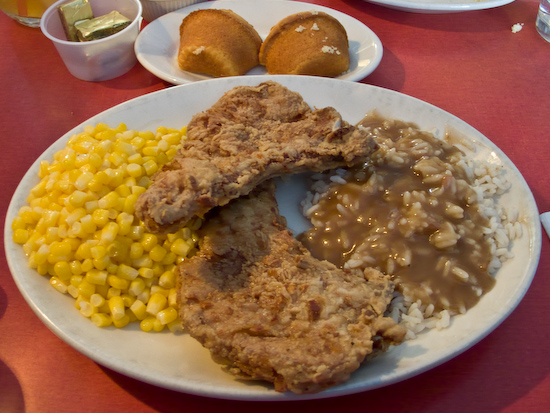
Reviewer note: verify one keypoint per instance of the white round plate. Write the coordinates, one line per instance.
(157, 45)
(440, 6)
(180, 363)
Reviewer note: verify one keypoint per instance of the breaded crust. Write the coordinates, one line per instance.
(266, 309)
(218, 43)
(253, 133)
(306, 43)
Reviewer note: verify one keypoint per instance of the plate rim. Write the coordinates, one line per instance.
(441, 7)
(297, 5)
(535, 248)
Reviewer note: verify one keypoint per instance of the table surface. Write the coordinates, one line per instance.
(470, 64)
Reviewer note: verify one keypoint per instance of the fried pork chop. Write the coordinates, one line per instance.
(250, 135)
(267, 310)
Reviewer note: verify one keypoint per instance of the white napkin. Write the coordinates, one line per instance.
(545, 219)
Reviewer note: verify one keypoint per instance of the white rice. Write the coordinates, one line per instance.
(488, 182)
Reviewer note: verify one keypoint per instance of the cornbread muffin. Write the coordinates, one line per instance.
(306, 43)
(218, 43)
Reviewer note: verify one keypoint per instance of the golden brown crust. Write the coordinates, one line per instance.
(218, 43)
(306, 43)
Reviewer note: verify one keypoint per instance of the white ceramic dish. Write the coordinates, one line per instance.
(157, 45)
(440, 6)
(177, 361)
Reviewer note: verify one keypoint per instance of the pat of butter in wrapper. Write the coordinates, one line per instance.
(72, 12)
(545, 219)
(100, 27)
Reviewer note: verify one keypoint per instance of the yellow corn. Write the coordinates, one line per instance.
(167, 315)
(63, 270)
(96, 277)
(175, 326)
(59, 285)
(156, 303)
(117, 282)
(79, 227)
(101, 319)
(116, 306)
(157, 253)
(157, 325)
(97, 300)
(121, 322)
(138, 307)
(167, 279)
(87, 309)
(147, 323)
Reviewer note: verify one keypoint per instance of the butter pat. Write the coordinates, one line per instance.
(100, 27)
(72, 12)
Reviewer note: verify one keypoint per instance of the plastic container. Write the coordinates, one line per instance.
(543, 19)
(101, 59)
(153, 9)
(26, 12)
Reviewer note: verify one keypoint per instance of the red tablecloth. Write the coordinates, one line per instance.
(470, 64)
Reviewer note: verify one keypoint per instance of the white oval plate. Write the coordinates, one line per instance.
(157, 45)
(179, 362)
(439, 6)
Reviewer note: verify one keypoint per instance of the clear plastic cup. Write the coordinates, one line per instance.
(543, 19)
(102, 59)
(26, 12)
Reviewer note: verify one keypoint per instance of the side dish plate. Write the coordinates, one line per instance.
(180, 363)
(440, 6)
(157, 45)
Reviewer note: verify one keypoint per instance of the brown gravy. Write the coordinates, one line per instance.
(411, 213)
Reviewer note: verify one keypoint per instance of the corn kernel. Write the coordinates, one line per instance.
(156, 303)
(126, 272)
(158, 326)
(87, 265)
(149, 241)
(173, 297)
(86, 289)
(62, 270)
(86, 309)
(136, 287)
(98, 251)
(59, 285)
(180, 247)
(109, 200)
(121, 322)
(117, 282)
(167, 315)
(157, 253)
(144, 295)
(72, 290)
(20, 236)
(143, 262)
(147, 323)
(136, 251)
(109, 233)
(102, 263)
(175, 326)
(78, 199)
(113, 292)
(76, 267)
(139, 309)
(101, 319)
(97, 277)
(157, 289)
(97, 300)
(116, 307)
(167, 279)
